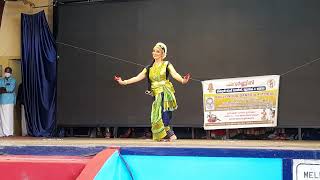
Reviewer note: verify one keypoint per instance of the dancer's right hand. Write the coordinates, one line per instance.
(119, 80)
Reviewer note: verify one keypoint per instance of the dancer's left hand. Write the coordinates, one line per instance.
(186, 78)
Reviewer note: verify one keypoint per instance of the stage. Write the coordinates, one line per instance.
(188, 143)
(118, 159)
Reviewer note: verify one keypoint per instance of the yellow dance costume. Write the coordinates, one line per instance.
(164, 101)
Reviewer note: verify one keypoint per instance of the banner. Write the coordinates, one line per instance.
(241, 102)
(303, 169)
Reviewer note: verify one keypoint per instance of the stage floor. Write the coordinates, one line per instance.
(193, 143)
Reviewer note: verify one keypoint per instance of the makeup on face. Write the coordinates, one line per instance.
(157, 52)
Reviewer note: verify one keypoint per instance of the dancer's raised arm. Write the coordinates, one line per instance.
(177, 76)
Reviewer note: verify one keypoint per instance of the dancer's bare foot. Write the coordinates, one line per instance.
(173, 138)
(164, 140)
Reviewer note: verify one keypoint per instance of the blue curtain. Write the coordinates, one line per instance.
(39, 74)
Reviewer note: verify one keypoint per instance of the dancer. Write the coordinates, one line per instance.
(162, 91)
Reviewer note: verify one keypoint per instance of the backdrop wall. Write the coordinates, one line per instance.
(211, 39)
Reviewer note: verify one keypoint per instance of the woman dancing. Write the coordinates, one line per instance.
(162, 91)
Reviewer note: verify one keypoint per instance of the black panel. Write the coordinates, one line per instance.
(212, 39)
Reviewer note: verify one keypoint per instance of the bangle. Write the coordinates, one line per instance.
(125, 82)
